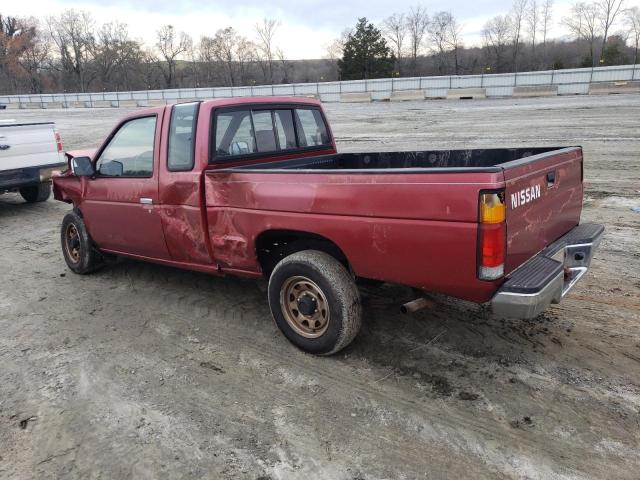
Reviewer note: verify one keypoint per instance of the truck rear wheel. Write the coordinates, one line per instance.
(315, 302)
(77, 247)
(36, 193)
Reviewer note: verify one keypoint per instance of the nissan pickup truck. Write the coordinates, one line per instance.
(255, 187)
(29, 153)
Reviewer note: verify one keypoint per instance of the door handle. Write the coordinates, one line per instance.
(5, 147)
(146, 201)
(551, 178)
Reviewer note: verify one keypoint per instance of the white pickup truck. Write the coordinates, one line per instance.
(29, 153)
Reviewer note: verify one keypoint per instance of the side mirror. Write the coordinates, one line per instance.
(82, 167)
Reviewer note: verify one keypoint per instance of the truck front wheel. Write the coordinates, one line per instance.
(77, 247)
(36, 193)
(315, 302)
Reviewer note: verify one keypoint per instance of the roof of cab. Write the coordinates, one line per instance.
(225, 102)
(231, 102)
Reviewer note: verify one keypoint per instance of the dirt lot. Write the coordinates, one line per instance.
(141, 371)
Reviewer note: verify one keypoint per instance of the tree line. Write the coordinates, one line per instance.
(415, 43)
(71, 52)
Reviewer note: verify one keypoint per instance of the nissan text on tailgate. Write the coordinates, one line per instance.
(254, 187)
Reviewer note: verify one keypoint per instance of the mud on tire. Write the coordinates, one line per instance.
(301, 287)
(77, 246)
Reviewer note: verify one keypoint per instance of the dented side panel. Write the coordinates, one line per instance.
(414, 229)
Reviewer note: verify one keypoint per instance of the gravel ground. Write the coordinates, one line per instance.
(142, 371)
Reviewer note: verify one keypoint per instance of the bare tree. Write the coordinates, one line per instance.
(632, 21)
(206, 57)
(33, 60)
(266, 32)
(171, 46)
(395, 29)
(285, 65)
(609, 10)
(224, 46)
(547, 11)
(72, 34)
(496, 35)
(334, 51)
(246, 56)
(115, 54)
(533, 18)
(417, 23)
(583, 24)
(444, 36)
(518, 11)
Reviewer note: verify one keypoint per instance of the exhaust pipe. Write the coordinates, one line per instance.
(415, 305)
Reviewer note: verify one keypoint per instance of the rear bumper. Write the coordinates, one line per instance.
(28, 176)
(548, 276)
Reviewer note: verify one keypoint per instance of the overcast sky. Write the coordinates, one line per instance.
(308, 26)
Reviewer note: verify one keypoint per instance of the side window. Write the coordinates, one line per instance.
(234, 134)
(130, 151)
(284, 128)
(182, 130)
(265, 136)
(311, 128)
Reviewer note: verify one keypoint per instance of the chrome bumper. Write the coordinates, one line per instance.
(547, 277)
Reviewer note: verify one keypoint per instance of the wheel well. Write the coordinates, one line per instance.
(273, 245)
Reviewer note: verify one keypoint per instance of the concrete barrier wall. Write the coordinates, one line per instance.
(407, 95)
(101, 104)
(128, 103)
(31, 105)
(606, 88)
(355, 97)
(466, 93)
(536, 91)
(575, 81)
(53, 105)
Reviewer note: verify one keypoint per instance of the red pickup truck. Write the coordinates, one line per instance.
(255, 187)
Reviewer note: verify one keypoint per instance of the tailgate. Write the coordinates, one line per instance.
(28, 145)
(543, 196)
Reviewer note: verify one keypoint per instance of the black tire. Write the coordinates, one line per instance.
(78, 250)
(36, 193)
(330, 285)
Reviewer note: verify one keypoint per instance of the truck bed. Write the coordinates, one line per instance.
(477, 160)
(419, 208)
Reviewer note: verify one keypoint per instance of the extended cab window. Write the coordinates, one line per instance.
(130, 151)
(234, 133)
(245, 132)
(312, 131)
(285, 129)
(182, 130)
(265, 135)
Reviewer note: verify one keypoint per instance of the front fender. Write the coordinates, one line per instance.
(67, 188)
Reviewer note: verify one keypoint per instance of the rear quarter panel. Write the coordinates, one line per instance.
(413, 229)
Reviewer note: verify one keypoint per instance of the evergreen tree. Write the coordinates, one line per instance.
(366, 54)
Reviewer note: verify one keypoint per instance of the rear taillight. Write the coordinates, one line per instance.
(58, 141)
(491, 235)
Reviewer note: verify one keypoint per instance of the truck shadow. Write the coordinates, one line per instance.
(451, 334)
(454, 345)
